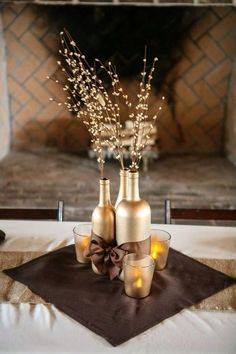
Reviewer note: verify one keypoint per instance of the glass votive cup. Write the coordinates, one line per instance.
(138, 272)
(160, 243)
(82, 237)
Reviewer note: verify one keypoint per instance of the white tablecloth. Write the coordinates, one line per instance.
(43, 329)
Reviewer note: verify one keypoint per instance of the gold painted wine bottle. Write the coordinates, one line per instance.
(103, 217)
(123, 189)
(133, 216)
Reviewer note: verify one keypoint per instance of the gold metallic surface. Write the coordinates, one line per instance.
(103, 217)
(133, 186)
(123, 189)
(133, 216)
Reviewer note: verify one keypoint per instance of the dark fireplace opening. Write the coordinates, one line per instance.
(196, 50)
(120, 35)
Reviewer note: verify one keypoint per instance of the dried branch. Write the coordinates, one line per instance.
(89, 100)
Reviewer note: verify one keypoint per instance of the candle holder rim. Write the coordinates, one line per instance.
(169, 235)
(152, 264)
(84, 224)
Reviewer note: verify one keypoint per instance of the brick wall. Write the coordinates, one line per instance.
(31, 43)
(231, 118)
(199, 84)
(4, 107)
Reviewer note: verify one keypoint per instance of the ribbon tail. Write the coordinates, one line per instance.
(113, 271)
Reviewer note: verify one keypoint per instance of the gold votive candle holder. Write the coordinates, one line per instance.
(138, 272)
(160, 243)
(82, 238)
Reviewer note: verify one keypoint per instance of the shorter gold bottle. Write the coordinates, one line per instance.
(103, 217)
(133, 216)
(123, 190)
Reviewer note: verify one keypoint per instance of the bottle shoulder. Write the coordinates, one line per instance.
(132, 205)
(108, 208)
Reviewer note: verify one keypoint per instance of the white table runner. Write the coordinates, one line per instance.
(43, 329)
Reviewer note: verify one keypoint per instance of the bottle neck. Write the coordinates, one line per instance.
(124, 179)
(123, 190)
(133, 189)
(104, 195)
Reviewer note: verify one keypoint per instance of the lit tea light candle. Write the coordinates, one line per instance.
(138, 273)
(80, 247)
(160, 242)
(82, 239)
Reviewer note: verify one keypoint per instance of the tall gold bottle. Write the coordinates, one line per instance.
(123, 189)
(133, 216)
(103, 217)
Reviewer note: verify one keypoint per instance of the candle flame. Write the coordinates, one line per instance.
(139, 283)
(156, 249)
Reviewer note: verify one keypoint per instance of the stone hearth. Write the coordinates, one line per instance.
(40, 179)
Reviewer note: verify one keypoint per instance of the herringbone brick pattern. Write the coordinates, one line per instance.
(198, 82)
(230, 129)
(4, 122)
(31, 44)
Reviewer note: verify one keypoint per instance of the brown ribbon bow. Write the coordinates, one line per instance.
(108, 258)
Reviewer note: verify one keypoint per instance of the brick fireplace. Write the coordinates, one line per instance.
(200, 119)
